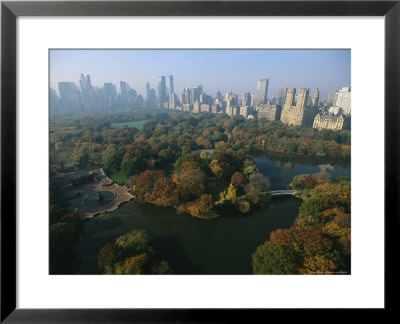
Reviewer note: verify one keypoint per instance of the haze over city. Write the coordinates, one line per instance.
(244, 153)
(216, 70)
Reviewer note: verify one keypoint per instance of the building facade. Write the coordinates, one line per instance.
(299, 114)
(343, 100)
(270, 111)
(331, 121)
(262, 91)
(281, 96)
(244, 111)
(205, 108)
(315, 98)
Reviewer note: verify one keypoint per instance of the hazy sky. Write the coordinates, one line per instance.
(223, 70)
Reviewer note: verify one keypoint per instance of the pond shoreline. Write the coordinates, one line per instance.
(190, 245)
(302, 159)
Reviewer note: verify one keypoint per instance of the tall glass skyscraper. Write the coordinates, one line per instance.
(162, 91)
(171, 84)
(262, 91)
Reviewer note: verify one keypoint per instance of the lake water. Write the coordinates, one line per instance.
(219, 246)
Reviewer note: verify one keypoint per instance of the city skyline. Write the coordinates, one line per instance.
(234, 71)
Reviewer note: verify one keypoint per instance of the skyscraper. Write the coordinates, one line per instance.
(195, 93)
(315, 98)
(132, 95)
(343, 99)
(246, 99)
(69, 92)
(148, 92)
(54, 103)
(70, 97)
(186, 96)
(162, 91)
(124, 89)
(332, 98)
(231, 99)
(110, 94)
(86, 90)
(166, 90)
(299, 114)
(302, 97)
(291, 93)
(171, 84)
(281, 96)
(262, 91)
(150, 96)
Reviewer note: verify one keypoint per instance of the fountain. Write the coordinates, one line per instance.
(99, 198)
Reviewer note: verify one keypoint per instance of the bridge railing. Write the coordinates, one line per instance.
(282, 192)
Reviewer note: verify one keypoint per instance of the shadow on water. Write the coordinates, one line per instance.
(88, 249)
(101, 223)
(190, 245)
(177, 260)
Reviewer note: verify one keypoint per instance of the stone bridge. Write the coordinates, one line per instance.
(275, 193)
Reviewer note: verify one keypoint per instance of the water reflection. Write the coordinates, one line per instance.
(194, 246)
(325, 167)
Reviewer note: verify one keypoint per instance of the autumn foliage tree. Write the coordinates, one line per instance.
(131, 254)
(238, 180)
(243, 206)
(145, 183)
(109, 255)
(134, 265)
(257, 188)
(217, 169)
(202, 207)
(229, 195)
(320, 240)
(191, 184)
(164, 193)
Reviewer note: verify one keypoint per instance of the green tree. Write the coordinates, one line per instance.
(63, 259)
(62, 237)
(205, 205)
(133, 243)
(111, 157)
(82, 158)
(216, 169)
(244, 206)
(273, 258)
(250, 170)
(201, 207)
(203, 155)
(109, 254)
(132, 166)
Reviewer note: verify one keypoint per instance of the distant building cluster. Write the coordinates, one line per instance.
(287, 105)
(85, 97)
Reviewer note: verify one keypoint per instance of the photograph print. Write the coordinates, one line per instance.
(202, 162)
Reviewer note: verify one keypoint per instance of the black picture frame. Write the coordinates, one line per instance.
(10, 10)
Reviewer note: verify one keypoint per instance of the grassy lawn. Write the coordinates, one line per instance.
(137, 123)
(117, 178)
